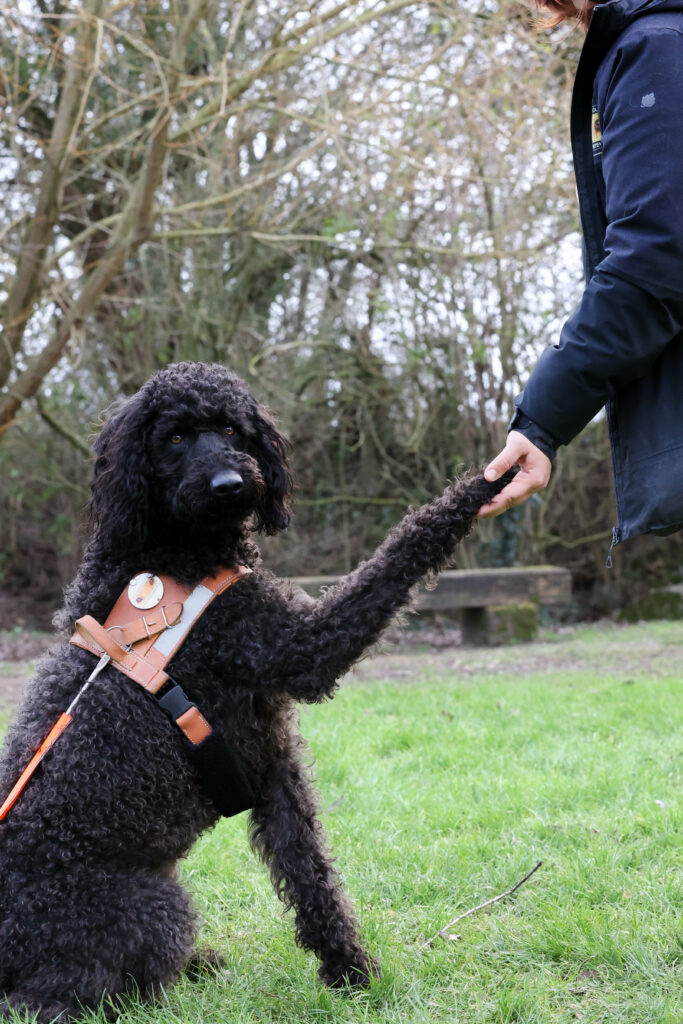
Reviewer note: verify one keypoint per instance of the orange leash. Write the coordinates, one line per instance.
(54, 734)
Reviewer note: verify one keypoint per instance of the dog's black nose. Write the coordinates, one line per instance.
(226, 484)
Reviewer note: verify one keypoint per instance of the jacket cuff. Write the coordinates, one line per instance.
(535, 433)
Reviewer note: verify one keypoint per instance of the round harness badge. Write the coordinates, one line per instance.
(145, 590)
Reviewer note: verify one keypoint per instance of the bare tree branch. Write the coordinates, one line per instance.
(27, 280)
(473, 910)
(78, 442)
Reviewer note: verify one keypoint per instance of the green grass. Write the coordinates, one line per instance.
(445, 790)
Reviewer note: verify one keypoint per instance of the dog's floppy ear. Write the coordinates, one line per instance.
(119, 499)
(272, 451)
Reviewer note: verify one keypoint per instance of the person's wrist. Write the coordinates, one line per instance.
(535, 433)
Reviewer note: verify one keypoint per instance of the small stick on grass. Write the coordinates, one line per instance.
(473, 910)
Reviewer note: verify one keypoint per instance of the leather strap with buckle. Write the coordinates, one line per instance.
(141, 646)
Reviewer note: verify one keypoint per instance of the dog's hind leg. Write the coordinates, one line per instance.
(99, 935)
(288, 836)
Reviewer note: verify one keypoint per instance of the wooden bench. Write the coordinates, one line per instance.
(496, 605)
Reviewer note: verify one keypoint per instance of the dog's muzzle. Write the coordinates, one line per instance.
(227, 483)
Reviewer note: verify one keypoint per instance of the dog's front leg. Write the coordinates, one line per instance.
(288, 836)
(334, 631)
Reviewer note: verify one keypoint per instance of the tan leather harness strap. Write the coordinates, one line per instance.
(90, 635)
(193, 724)
(148, 626)
(142, 647)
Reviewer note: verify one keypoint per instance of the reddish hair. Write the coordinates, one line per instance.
(557, 11)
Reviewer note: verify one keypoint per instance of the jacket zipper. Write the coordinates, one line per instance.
(616, 537)
(614, 436)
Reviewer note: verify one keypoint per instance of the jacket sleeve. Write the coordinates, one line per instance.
(535, 433)
(632, 307)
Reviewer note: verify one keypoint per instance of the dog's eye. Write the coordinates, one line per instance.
(176, 439)
(229, 431)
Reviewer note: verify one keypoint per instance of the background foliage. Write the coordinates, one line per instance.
(366, 208)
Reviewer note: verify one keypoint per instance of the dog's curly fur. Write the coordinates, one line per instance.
(89, 905)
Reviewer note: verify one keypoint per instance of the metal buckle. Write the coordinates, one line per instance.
(124, 647)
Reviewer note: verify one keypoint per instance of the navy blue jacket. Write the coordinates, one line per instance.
(623, 346)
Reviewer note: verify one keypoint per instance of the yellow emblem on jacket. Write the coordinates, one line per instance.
(596, 131)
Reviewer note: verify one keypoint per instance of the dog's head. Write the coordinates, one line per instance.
(192, 449)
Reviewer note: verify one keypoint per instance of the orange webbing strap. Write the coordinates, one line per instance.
(54, 734)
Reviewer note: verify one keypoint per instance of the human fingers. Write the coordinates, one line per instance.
(515, 447)
(533, 475)
(514, 494)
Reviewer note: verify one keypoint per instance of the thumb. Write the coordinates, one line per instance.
(502, 462)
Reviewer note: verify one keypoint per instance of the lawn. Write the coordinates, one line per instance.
(443, 786)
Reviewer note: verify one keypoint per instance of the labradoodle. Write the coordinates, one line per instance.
(90, 907)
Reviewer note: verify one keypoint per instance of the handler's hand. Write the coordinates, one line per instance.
(533, 475)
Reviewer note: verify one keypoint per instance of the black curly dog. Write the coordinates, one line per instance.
(89, 905)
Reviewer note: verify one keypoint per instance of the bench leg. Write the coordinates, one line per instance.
(475, 626)
(500, 624)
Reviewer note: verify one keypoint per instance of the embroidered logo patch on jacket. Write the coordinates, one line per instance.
(596, 132)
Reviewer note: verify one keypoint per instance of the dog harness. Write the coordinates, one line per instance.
(140, 646)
